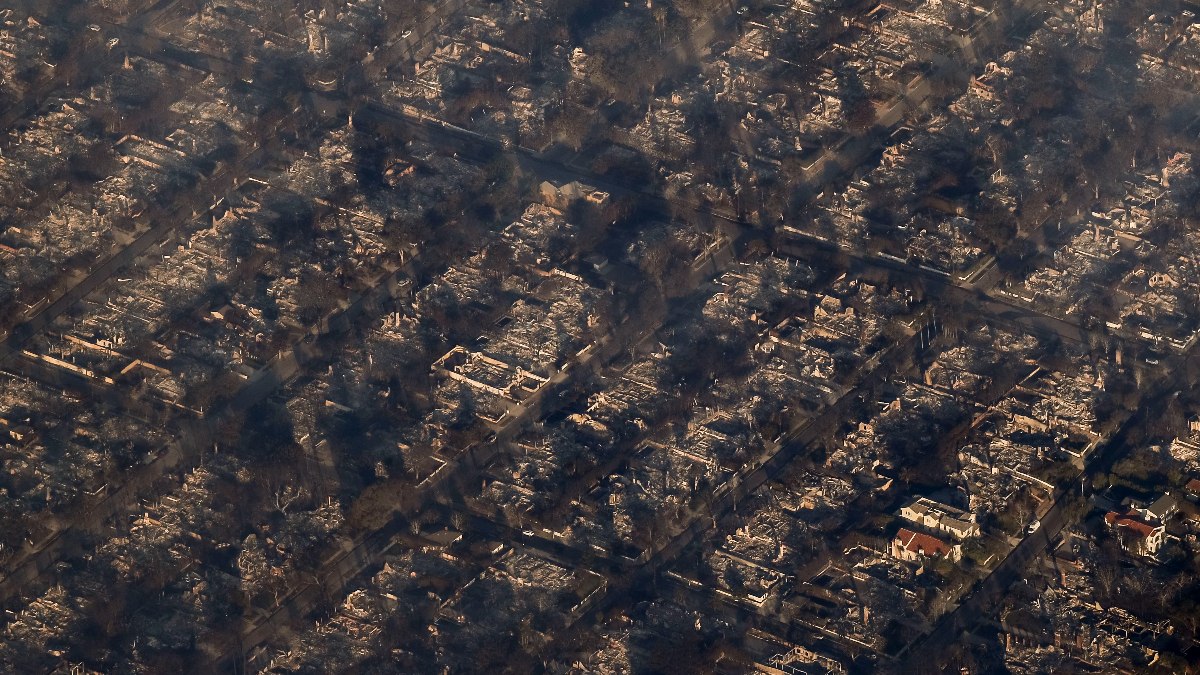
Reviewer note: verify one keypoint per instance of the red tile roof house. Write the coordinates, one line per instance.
(1135, 534)
(910, 545)
(1193, 488)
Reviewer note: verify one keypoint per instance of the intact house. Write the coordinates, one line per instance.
(917, 546)
(561, 196)
(1136, 534)
(1158, 511)
(940, 518)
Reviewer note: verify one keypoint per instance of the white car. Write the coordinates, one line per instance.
(1033, 527)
